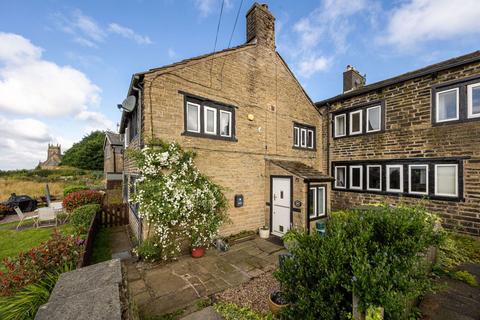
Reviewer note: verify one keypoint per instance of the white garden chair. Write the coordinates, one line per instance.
(23, 217)
(46, 214)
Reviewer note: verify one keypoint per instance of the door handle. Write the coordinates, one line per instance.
(274, 197)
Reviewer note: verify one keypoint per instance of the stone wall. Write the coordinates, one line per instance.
(409, 133)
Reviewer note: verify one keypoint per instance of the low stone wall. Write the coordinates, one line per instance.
(92, 292)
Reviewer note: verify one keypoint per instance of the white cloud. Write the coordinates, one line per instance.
(206, 7)
(95, 120)
(89, 33)
(31, 85)
(128, 33)
(313, 64)
(421, 20)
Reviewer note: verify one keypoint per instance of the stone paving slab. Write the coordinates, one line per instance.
(204, 314)
(165, 288)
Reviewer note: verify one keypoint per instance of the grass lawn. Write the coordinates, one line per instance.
(13, 242)
(101, 246)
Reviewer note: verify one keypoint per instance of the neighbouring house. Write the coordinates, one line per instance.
(54, 157)
(113, 159)
(410, 138)
(255, 130)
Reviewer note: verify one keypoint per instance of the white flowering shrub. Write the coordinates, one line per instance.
(175, 199)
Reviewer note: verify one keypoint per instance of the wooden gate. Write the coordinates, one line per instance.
(114, 215)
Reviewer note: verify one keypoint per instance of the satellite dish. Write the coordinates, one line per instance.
(129, 104)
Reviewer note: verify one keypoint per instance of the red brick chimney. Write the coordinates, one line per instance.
(261, 26)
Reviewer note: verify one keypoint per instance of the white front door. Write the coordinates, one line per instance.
(281, 206)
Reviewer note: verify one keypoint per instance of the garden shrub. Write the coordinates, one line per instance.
(466, 277)
(81, 217)
(25, 303)
(378, 254)
(148, 250)
(74, 188)
(29, 267)
(81, 198)
(230, 311)
(175, 199)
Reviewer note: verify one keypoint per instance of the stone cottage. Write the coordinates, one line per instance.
(255, 130)
(113, 159)
(410, 138)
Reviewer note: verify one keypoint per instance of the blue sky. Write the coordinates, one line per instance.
(64, 65)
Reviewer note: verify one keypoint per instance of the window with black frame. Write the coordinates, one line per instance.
(304, 136)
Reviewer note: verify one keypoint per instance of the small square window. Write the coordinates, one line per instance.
(225, 123)
(310, 139)
(356, 122)
(340, 125)
(210, 120)
(395, 178)
(446, 180)
(473, 92)
(340, 177)
(374, 119)
(303, 138)
(374, 177)
(447, 105)
(296, 136)
(356, 177)
(193, 117)
(418, 179)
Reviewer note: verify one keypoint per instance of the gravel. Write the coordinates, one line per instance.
(253, 294)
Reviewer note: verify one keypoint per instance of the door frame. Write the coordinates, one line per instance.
(271, 200)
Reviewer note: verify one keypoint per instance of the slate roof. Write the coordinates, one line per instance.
(115, 139)
(302, 170)
(447, 64)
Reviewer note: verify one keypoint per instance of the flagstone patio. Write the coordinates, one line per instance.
(162, 289)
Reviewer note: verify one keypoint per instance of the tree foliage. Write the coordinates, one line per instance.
(86, 154)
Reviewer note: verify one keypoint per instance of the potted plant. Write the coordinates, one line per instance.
(264, 232)
(277, 302)
(199, 245)
(289, 239)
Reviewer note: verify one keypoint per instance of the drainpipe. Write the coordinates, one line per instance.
(329, 122)
(139, 90)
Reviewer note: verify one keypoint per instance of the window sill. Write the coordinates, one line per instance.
(458, 121)
(208, 136)
(304, 148)
(356, 135)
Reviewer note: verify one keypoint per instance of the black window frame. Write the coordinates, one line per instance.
(218, 106)
(461, 85)
(363, 109)
(306, 127)
(404, 162)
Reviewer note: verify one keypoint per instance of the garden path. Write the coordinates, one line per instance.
(165, 288)
(458, 301)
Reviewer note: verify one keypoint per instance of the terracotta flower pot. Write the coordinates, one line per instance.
(198, 252)
(274, 305)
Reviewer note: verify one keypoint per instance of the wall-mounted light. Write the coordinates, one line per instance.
(251, 117)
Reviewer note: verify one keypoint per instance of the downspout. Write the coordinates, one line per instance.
(328, 137)
(139, 90)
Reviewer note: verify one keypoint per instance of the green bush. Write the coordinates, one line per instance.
(82, 216)
(466, 277)
(87, 153)
(148, 250)
(377, 254)
(74, 188)
(25, 303)
(230, 311)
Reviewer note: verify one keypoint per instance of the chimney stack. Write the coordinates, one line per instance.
(261, 26)
(352, 79)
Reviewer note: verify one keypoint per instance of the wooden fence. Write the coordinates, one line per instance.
(114, 215)
(86, 253)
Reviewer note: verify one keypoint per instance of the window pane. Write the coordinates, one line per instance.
(374, 119)
(311, 202)
(310, 139)
(225, 123)
(340, 177)
(394, 178)
(304, 137)
(374, 177)
(447, 105)
(340, 126)
(418, 179)
(210, 120)
(476, 100)
(192, 118)
(356, 177)
(446, 180)
(296, 137)
(356, 125)
(320, 201)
